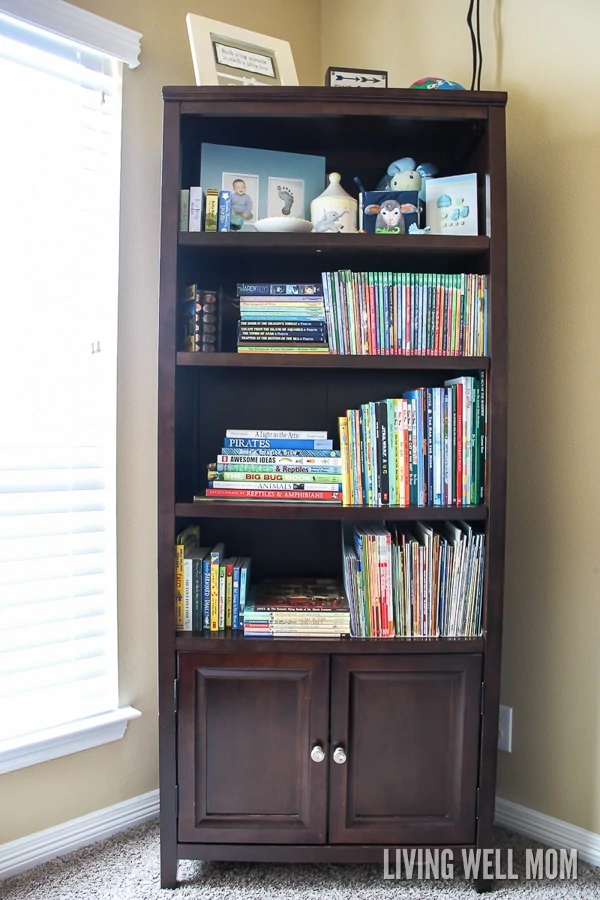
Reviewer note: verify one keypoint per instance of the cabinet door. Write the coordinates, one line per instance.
(409, 729)
(247, 724)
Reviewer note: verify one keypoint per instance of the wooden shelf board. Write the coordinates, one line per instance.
(330, 361)
(235, 640)
(263, 509)
(334, 243)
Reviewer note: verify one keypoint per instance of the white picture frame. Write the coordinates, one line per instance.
(226, 55)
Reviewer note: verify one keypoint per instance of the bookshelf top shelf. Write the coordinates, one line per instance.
(325, 244)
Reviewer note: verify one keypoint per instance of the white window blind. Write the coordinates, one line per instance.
(60, 105)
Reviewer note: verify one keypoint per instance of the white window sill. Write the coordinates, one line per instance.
(17, 753)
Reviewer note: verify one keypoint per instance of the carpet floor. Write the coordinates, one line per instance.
(126, 867)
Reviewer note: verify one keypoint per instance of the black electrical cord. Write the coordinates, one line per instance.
(473, 41)
(480, 66)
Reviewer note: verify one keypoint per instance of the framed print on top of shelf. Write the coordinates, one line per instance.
(227, 55)
(345, 77)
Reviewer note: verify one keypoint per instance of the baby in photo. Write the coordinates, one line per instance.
(241, 203)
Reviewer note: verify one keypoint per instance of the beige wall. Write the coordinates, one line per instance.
(41, 796)
(545, 55)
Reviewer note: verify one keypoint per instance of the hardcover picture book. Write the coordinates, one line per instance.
(451, 205)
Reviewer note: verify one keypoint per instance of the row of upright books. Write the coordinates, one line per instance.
(426, 448)
(281, 318)
(206, 210)
(414, 580)
(410, 313)
(210, 588)
(276, 466)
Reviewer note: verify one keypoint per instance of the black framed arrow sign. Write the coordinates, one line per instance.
(345, 77)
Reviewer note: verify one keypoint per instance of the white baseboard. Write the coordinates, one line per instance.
(553, 832)
(30, 851)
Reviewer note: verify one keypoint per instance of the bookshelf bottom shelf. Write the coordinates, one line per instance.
(236, 641)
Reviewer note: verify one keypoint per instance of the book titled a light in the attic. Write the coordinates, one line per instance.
(283, 440)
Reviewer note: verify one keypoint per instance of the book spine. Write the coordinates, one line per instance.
(179, 556)
(215, 558)
(188, 576)
(229, 594)
(195, 208)
(244, 588)
(211, 212)
(248, 494)
(197, 595)
(343, 430)
(276, 444)
(222, 593)
(314, 467)
(278, 289)
(206, 593)
(249, 478)
(184, 209)
(224, 211)
(235, 616)
(286, 435)
(384, 462)
(235, 454)
(277, 486)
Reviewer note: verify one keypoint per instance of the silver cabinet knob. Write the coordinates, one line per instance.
(317, 754)
(339, 756)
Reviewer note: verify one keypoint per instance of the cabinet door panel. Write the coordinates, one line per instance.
(246, 727)
(409, 726)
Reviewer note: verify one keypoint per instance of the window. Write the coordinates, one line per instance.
(59, 240)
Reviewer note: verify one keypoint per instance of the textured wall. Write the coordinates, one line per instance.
(41, 796)
(546, 56)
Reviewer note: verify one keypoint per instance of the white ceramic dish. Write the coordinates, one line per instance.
(283, 223)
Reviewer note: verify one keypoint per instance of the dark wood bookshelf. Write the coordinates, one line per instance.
(417, 719)
(262, 509)
(331, 361)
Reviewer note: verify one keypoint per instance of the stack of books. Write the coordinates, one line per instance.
(414, 581)
(281, 318)
(426, 448)
(210, 588)
(276, 465)
(200, 315)
(303, 607)
(396, 313)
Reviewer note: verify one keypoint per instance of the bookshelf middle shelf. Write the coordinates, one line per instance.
(331, 361)
(259, 509)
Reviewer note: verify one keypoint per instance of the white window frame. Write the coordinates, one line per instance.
(122, 43)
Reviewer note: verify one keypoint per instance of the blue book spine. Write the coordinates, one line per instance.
(206, 592)
(277, 443)
(224, 218)
(244, 585)
(236, 596)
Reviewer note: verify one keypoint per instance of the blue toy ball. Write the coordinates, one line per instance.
(437, 84)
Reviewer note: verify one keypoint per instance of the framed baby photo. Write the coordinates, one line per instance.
(263, 183)
(224, 54)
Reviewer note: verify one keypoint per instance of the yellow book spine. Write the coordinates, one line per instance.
(214, 593)
(345, 456)
(229, 597)
(179, 553)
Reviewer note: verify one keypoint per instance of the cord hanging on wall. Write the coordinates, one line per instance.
(475, 43)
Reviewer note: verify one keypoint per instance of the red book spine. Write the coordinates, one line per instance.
(249, 494)
(459, 445)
